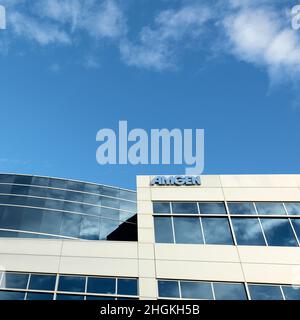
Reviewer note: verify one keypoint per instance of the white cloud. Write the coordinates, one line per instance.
(43, 33)
(157, 46)
(261, 35)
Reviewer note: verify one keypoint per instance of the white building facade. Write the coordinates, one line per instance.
(232, 237)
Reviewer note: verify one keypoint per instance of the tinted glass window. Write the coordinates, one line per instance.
(14, 280)
(107, 227)
(291, 292)
(248, 232)
(163, 230)
(260, 292)
(241, 208)
(212, 208)
(217, 231)
(293, 208)
(72, 284)
(101, 285)
(31, 220)
(39, 296)
(127, 287)
(90, 228)
(112, 192)
(168, 289)
(8, 295)
(42, 282)
(196, 290)
(11, 218)
(161, 207)
(187, 230)
(71, 225)
(7, 178)
(185, 207)
(51, 222)
(270, 208)
(279, 232)
(69, 297)
(110, 202)
(23, 179)
(230, 291)
(296, 225)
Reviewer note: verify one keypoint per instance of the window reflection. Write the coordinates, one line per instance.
(279, 232)
(293, 208)
(168, 289)
(270, 208)
(196, 290)
(217, 231)
(185, 207)
(187, 230)
(241, 208)
(260, 292)
(212, 208)
(163, 230)
(248, 232)
(230, 291)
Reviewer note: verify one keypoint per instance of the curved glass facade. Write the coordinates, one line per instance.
(42, 207)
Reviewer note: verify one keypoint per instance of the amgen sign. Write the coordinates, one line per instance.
(176, 181)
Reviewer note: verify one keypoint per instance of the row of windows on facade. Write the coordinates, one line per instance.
(218, 230)
(68, 184)
(225, 291)
(66, 224)
(59, 199)
(43, 286)
(242, 208)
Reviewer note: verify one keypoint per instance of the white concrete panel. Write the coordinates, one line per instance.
(99, 266)
(105, 249)
(146, 235)
(143, 181)
(148, 287)
(144, 207)
(275, 255)
(144, 194)
(145, 221)
(272, 273)
(29, 263)
(262, 194)
(146, 251)
(187, 194)
(147, 268)
(30, 246)
(258, 181)
(195, 252)
(190, 270)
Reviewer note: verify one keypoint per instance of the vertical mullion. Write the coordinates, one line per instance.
(201, 225)
(263, 232)
(294, 231)
(213, 290)
(179, 288)
(56, 286)
(283, 295)
(230, 224)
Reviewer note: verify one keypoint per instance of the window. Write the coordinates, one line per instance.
(11, 295)
(101, 285)
(127, 287)
(270, 208)
(241, 208)
(161, 207)
(217, 231)
(69, 297)
(168, 289)
(185, 207)
(42, 282)
(291, 292)
(14, 280)
(279, 232)
(187, 230)
(296, 225)
(90, 228)
(212, 208)
(230, 291)
(71, 283)
(293, 208)
(248, 232)
(39, 296)
(260, 292)
(71, 225)
(196, 290)
(163, 230)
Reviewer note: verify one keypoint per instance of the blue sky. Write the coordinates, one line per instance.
(71, 67)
